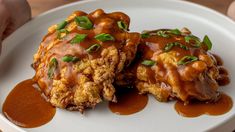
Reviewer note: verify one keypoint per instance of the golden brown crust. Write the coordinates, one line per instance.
(83, 84)
(167, 78)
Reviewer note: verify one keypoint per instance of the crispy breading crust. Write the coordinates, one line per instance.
(83, 84)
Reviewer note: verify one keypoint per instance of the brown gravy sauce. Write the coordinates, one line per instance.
(26, 107)
(218, 59)
(223, 78)
(195, 109)
(154, 45)
(129, 102)
(52, 47)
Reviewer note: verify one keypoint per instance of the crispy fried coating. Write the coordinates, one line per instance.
(74, 68)
(179, 67)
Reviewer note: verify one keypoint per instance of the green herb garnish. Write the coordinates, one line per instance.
(52, 67)
(84, 22)
(93, 48)
(148, 62)
(195, 39)
(60, 32)
(69, 58)
(182, 46)
(163, 34)
(145, 35)
(207, 42)
(169, 46)
(104, 37)
(175, 31)
(187, 59)
(122, 25)
(78, 38)
(61, 25)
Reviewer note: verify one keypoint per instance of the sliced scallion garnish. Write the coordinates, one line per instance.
(175, 31)
(163, 34)
(182, 46)
(61, 25)
(104, 37)
(78, 38)
(207, 42)
(60, 32)
(148, 62)
(169, 46)
(93, 48)
(122, 25)
(197, 41)
(69, 58)
(52, 67)
(187, 59)
(145, 35)
(84, 22)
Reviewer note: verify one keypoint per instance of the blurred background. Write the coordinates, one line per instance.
(39, 6)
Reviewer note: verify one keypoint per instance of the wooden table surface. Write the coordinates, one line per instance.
(39, 6)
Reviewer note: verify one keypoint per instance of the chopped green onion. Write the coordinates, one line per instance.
(175, 31)
(187, 59)
(61, 25)
(78, 38)
(187, 39)
(162, 34)
(169, 46)
(52, 67)
(148, 62)
(93, 48)
(122, 25)
(84, 22)
(207, 42)
(60, 32)
(181, 46)
(69, 58)
(195, 39)
(53, 61)
(104, 37)
(145, 35)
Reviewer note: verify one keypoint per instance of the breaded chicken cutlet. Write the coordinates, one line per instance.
(78, 59)
(81, 58)
(175, 64)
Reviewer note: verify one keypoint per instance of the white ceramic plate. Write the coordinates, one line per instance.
(19, 48)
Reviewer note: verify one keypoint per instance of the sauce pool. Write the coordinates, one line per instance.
(26, 107)
(129, 102)
(195, 109)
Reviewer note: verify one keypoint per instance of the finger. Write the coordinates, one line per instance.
(231, 10)
(8, 30)
(18, 8)
(3, 22)
(4, 15)
(0, 47)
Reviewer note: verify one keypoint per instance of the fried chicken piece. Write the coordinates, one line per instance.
(174, 64)
(78, 59)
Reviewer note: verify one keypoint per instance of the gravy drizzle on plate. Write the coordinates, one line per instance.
(25, 106)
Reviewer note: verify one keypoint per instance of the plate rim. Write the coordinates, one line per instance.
(38, 17)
